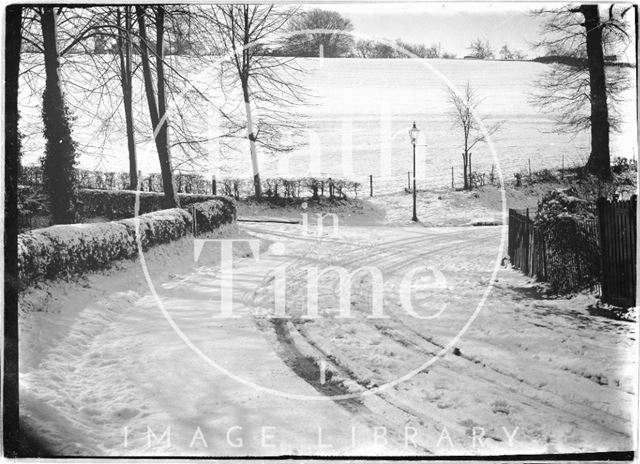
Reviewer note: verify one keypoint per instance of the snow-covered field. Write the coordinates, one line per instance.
(356, 119)
(488, 364)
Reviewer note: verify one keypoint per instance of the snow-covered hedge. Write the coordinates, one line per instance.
(210, 215)
(63, 250)
(569, 226)
(119, 204)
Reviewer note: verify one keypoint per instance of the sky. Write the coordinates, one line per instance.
(453, 24)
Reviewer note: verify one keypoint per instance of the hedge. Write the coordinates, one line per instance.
(90, 179)
(119, 204)
(64, 250)
(280, 187)
(211, 214)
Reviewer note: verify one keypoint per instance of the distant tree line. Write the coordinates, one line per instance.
(482, 50)
(308, 33)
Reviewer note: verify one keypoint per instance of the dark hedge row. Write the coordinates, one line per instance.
(119, 204)
(210, 215)
(190, 183)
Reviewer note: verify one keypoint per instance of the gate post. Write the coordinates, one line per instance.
(633, 242)
(604, 287)
(528, 243)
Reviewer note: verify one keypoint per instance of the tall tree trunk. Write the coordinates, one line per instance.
(246, 59)
(60, 157)
(599, 160)
(465, 178)
(467, 165)
(10, 389)
(470, 170)
(163, 132)
(157, 113)
(257, 186)
(124, 52)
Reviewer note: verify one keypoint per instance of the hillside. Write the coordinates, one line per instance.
(354, 126)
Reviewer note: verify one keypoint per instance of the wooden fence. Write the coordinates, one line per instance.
(618, 250)
(524, 248)
(615, 236)
(566, 270)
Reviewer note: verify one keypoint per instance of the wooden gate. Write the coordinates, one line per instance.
(618, 250)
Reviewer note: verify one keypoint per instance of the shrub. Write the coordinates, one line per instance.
(68, 249)
(158, 227)
(543, 175)
(518, 177)
(210, 215)
(270, 188)
(621, 165)
(569, 228)
(233, 187)
(314, 185)
(291, 187)
(591, 188)
(65, 250)
(32, 201)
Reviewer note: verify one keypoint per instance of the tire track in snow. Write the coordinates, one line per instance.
(386, 258)
(561, 403)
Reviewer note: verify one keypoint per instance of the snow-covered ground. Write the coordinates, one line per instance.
(356, 121)
(103, 371)
(434, 206)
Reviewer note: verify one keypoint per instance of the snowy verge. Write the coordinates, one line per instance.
(49, 308)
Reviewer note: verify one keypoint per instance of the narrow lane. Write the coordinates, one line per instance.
(536, 375)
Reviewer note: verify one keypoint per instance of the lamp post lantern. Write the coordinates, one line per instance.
(413, 134)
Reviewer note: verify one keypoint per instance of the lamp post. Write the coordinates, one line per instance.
(413, 134)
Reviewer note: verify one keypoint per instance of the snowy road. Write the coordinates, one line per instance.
(529, 375)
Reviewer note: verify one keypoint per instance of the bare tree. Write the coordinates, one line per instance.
(434, 51)
(481, 49)
(100, 93)
(464, 116)
(378, 49)
(577, 88)
(334, 44)
(156, 100)
(124, 22)
(505, 53)
(86, 37)
(245, 32)
(363, 48)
